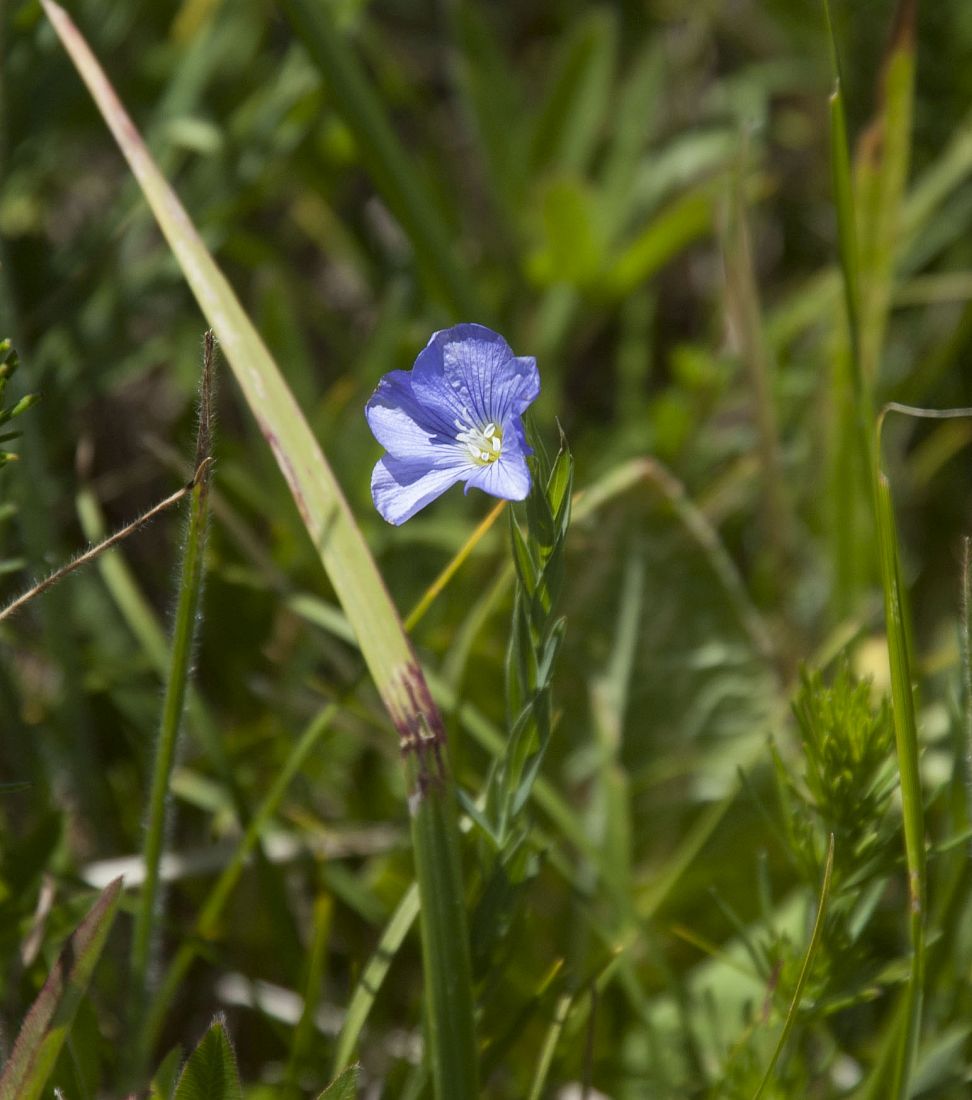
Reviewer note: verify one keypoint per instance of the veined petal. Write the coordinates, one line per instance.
(523, 383)
(400, 488)
(403, 426)
(508, 477)
(458, 371)
(514, 388)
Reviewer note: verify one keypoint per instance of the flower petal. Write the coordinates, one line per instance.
(403, 426)
(400, 488)
(471, 375)
(465, 383)
(508, 477)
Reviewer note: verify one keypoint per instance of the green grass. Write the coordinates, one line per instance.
(706, 698)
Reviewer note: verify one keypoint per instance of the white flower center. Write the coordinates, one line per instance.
(483, 444)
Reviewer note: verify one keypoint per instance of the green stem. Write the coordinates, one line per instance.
(445, 955)
(183, 637)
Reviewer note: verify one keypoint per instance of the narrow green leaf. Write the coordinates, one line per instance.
(221, 891)
(569, 123)
(745, 316)
(814, 943)
(639, 104)
(343, 1087)
(167, 1076)
(49, 1021)
(211, 1073)
(846, 225)
(881, 175)
(903, 705)
(523, 559)
(303, 1037)
(372, 977)
(554, 1031)
(384, 155)
(493, 98)
(906, 740)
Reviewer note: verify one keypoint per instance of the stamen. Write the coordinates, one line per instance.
(483, 444)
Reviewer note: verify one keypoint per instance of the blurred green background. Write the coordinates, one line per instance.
(638, 194)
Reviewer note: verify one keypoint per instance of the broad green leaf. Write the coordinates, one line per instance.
(683, 221)
(49, 1021)
(573, 249)
(211, 1073)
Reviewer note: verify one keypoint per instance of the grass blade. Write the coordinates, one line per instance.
(47, 1024)
(219, 894)
(906, 740)
(902, 695)
(347, 560)
(745, 319)
(881, 175)
(554, 1031)
(369, 984)
(804, 970)
(303, 1037)
(383, 153)
(322, 505)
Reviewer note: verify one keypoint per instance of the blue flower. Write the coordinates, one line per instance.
(455, 416)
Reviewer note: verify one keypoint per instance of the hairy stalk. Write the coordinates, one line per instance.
(183, 639)
(97, 550)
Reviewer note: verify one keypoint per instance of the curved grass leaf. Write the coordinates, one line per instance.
(352, 570)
